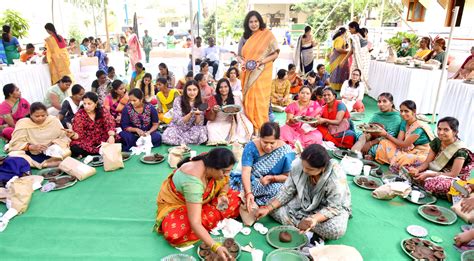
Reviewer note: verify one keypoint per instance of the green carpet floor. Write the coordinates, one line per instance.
(110, 216)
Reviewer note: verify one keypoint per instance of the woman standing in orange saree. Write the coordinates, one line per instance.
(56, 54)
(258, 48)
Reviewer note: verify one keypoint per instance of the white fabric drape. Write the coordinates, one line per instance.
(405, 83)
(459, 103)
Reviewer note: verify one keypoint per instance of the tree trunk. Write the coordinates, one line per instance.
(107, 42)
(95, 23)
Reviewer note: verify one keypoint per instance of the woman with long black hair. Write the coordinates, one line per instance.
(338, 67)
(10, 44)
(359, 50)
(57, 55)
(304, 58)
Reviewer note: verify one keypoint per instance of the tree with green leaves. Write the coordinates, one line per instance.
(210, 26)
(19, 25)
(318, 11)
(231, 18)
(93, 6)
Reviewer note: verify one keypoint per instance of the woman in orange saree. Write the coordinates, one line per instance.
(195, 198)
(57, 55)
(257, 45)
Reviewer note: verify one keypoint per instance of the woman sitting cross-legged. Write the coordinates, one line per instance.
(166, 97)
(146, 86)
(315, 197)
(387, 118)
(352, 92)
(33, 136)
(92, 125)
(221, 127)
(448, 159)
(335, 124)
(266, 163)
(194, 198)
(139, 119)
(295, 80)
(294, 130)
(56, 95)
(71, 105)
(281, 90)
(411, 147)
(116, 100)
(187, 126)
(12, 109)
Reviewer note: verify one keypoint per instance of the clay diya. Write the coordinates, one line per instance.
(439, 255)
(53, 173)
(304, 225)
(234, 248)
(228, 243)
(423, 249)
(231, 109)
(204, 246)
(204, 253)
(410, 247)
(432, 211)
(285, 237)
(154, 158)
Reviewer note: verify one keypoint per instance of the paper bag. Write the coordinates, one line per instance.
(76, 168)
(467, 217)
(112, 156)
(19, 194)
(176, 154)
(383, 192)
(391, 190)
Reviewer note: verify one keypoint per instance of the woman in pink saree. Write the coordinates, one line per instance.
(12, 109)
(134, 51)
(294, 130)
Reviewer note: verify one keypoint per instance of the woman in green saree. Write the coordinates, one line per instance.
(448, 160)
(10, 44)
(387, 117)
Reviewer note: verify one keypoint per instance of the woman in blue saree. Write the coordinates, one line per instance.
(266, 163)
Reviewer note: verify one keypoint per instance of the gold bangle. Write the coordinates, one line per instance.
(215, 246)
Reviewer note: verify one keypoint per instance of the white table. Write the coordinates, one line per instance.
(459, 103)
(405, 83)
(34, 79)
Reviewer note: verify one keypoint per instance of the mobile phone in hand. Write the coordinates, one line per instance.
(460, 189)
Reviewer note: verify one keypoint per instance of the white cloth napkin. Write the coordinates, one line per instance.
(229, 228)
(54, 151)
(143, 145)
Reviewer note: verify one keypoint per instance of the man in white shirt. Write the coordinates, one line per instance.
(197, 53)
(212, 54)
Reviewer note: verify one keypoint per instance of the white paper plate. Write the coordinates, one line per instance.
(417, 231)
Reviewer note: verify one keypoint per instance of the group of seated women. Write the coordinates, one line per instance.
(200, 193)
(125, 116)
(406, 143)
